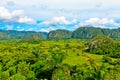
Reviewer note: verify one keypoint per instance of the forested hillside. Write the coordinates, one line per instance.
(60, 34)
(90, 32)
(87, 32)
(21, 34)
(80, 33)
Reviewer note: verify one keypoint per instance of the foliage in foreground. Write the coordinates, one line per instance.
(53, 60)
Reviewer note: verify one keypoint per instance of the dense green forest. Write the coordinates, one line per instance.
(85, 54)
(60, 59)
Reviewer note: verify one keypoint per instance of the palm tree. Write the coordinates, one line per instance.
(99, 71)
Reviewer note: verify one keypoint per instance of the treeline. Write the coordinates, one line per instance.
(80, 33)
(13, 34)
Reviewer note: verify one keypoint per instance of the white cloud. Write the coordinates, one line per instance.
(100, 21)
(14, 16)
(31, 29)
(70, 8)
(47, 30)
(18, 27)
(25, 19)
(21, 29)
(4, 13)
(103, 23)
(59, 20)
(9, 27)
(44, 30)
(17, 13)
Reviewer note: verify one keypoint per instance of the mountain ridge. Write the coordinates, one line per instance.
(80, 33)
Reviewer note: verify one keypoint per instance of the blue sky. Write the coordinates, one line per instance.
(47, 15)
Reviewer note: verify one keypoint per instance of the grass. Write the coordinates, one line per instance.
(73, 59)
(78, 59)
(94, 56)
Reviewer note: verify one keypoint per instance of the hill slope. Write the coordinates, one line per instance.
(81, 33)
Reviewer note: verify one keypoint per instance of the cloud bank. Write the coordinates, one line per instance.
(100, 22)
(59, 20)
(16, 16)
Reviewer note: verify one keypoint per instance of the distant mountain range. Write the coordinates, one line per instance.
(80, 33)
